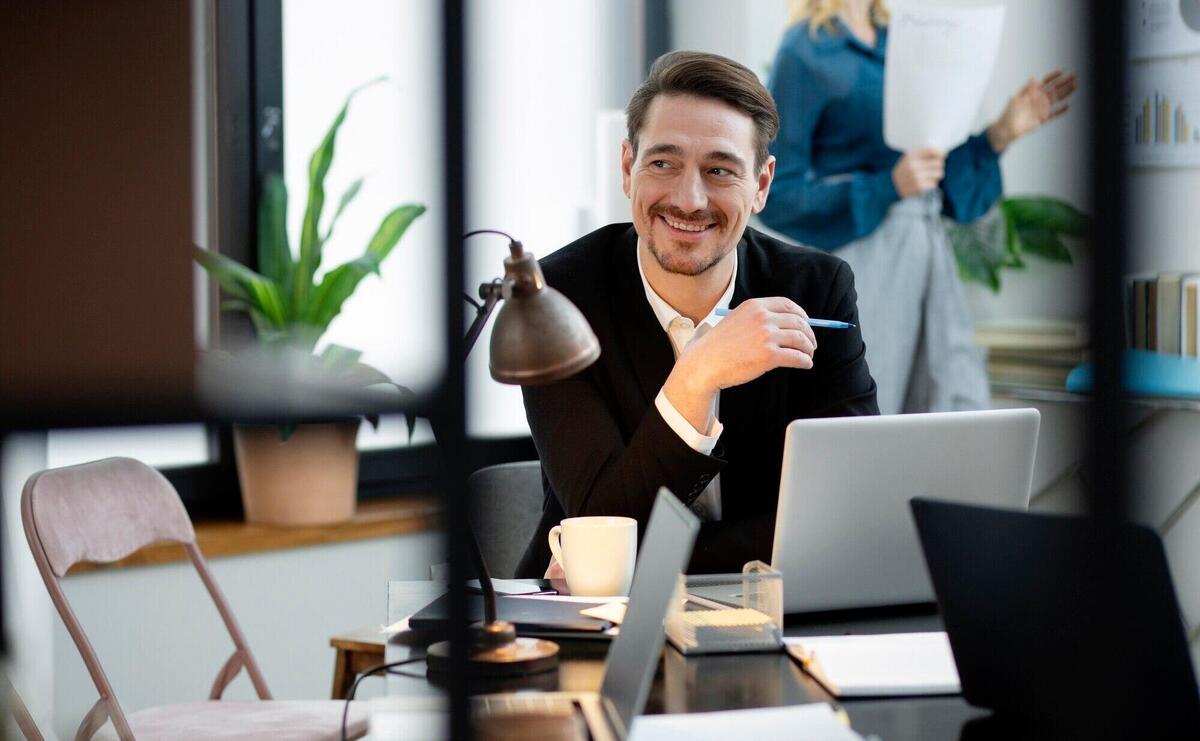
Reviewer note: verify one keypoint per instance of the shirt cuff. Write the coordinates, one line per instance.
(694, 439)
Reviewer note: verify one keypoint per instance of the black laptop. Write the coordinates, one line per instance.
(1063, 622)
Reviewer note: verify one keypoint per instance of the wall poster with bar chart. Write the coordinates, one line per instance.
(1162, 113)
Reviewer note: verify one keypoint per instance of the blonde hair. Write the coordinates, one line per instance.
(820, 13)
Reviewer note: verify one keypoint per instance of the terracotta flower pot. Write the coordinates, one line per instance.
(311, 479)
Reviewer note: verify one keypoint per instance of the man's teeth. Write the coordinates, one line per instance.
(684, 226)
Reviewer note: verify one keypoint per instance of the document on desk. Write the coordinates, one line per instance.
(815, 722)
(939, 62)
(888, 665)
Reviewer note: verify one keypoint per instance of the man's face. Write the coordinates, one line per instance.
(693, 184)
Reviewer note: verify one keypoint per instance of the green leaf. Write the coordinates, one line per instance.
(274, 252)
(261, 294)
(393, 227)
(978, 258)
(1012, 240)
(1044, 242)
(338, 284)
(1051, 213)
(310, 240)
(346, 198)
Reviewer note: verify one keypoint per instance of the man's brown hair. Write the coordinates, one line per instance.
(706, 76)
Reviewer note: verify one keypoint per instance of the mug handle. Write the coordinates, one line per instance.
(555, 545)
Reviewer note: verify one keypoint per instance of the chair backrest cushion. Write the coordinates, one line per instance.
(103, 511)
(506, 507)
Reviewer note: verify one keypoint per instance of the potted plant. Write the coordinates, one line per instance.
(1017, 227)
(303, 474)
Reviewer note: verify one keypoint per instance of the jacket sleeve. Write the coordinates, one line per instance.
(822, 212)
(592, 469)
(840, 384)
(972, 182)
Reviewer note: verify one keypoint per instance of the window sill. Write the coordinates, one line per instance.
(375, 518)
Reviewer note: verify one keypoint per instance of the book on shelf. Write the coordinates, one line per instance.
(1189, 315)
(1168, 313)
(1162, 312)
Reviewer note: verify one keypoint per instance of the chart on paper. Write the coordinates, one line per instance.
(1162, 113)
(1162, 28)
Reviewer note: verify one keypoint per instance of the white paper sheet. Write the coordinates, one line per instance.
(613, 612)
(895, 664)
(815, 722)
(569, 598)
(939, 62)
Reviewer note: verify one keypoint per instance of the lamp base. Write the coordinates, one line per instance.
(497, 652)
(522, 656)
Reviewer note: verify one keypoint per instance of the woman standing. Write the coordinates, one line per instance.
(839, 187)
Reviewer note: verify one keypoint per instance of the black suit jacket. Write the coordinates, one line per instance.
(604, 447)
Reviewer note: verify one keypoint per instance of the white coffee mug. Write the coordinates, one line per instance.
(597, 554)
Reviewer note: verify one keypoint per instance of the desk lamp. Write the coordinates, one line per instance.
(539, 337)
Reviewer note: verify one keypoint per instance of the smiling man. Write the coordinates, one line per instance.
(705, 352)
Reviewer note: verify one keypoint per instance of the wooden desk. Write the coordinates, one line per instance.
(721, 682)
(356, 653)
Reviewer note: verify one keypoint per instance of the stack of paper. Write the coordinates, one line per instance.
(1031, 353)
(895, 664)
(718, 631)
(816, 722)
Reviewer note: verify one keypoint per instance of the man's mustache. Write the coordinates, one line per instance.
(703, 216)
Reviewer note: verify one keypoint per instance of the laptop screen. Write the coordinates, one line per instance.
(633, 656)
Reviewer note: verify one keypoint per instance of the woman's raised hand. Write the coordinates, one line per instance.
(1033, 105)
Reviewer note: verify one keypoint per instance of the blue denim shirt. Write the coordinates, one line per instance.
(833, 179)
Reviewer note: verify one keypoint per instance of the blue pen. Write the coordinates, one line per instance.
(822, 323)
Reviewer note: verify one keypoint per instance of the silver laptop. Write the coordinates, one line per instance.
(843, 534)
(633, 655)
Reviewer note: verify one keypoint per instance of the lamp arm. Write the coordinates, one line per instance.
(491, 293)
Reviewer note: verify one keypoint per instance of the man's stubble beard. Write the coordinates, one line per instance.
(691, 268)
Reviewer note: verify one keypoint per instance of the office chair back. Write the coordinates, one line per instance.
(506, 506)
(101, 512)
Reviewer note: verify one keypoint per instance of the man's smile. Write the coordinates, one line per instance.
(686, 226)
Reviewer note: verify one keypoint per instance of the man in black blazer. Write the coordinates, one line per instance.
(684, 396)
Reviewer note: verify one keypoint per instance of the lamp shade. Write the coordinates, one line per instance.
(539, 335)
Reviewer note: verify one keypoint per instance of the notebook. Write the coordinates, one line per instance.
(530, 616)
(887, 665)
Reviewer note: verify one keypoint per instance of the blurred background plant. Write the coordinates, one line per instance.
(289, 307)
(1017, 227)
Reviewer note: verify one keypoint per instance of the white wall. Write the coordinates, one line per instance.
(538, 75)
(160, 639)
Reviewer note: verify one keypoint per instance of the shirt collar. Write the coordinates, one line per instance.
(665, 313)
(843, 36)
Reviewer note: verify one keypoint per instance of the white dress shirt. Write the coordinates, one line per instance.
(681, 331)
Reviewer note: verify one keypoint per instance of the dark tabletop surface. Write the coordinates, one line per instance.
(724, 682)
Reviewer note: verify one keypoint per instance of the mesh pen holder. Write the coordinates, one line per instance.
(728, 613)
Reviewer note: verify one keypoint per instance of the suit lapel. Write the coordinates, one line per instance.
(637, 329)
(743, 407)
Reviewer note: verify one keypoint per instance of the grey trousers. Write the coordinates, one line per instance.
(918, 331)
